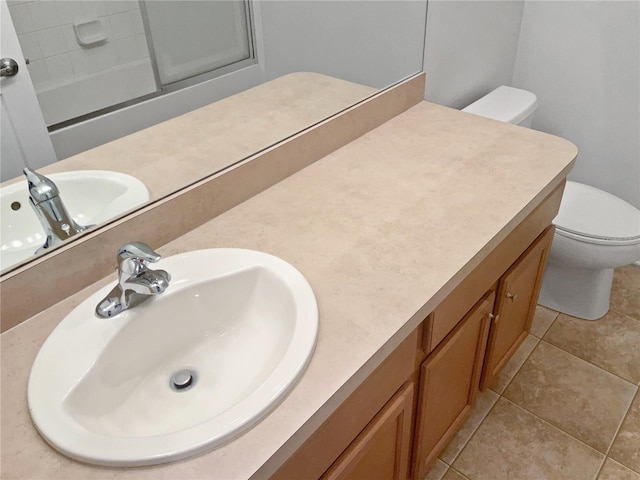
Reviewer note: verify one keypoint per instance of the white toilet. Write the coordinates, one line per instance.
(595, 231)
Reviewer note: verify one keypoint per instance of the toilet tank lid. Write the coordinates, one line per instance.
(590, 212)
(506, 104)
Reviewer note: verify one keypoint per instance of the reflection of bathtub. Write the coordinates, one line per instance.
(99, 90)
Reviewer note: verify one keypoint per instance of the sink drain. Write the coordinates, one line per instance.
(183, 380)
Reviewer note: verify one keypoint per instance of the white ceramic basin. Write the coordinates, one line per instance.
(91, 197)
(244, 321)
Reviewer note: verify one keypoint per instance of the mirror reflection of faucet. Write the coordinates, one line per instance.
(56, 221)
(136, 281)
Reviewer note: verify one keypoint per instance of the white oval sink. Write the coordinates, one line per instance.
(244, 321)
(91, 197)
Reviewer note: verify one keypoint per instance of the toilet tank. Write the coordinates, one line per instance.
(506, 104)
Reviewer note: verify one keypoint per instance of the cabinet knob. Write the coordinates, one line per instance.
(493, 318)
(512, 297)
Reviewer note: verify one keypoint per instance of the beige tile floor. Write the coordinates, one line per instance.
(566, 406)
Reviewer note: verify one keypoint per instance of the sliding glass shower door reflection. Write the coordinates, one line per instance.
(88, 57)
(189, 38)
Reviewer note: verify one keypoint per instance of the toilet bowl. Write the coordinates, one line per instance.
(595, 231)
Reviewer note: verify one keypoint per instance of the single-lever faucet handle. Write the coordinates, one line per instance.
(40, 187)
(137, 250)
(133, 258)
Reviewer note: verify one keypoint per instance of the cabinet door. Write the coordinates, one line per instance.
(517, 296)
(381, 451)
(449, 381)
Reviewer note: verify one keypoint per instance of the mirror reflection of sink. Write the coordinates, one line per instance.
(91, 197)
(183, 371)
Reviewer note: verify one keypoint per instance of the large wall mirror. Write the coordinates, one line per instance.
(101, 70)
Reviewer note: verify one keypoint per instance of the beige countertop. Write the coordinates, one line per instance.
(383, 229)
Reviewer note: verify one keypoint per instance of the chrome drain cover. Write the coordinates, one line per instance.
(183, 380)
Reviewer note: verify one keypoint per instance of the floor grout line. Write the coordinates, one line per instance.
(624, 417)
(623, 464)
(599, 367)
(501, 394)
(555, 427)
(492, 406)
(604, 460)
(546, 330)
(538, 340)
(472, 433)
(626, 414)
(605, 455)
(612, 309)
(459, 473)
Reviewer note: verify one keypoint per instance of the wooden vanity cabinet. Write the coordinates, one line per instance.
(449, 383)
(470, 357)
(516, 301)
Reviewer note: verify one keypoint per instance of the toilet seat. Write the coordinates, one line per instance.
(597, 240)
(591, 215)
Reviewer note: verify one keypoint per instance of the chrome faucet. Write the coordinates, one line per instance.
(136, 281)
(45, 200)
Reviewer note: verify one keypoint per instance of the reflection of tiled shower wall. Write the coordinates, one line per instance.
(46, 33)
